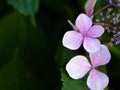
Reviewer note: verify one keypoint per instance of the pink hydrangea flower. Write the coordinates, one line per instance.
(89, 7)
(79, 66)
(85, 34)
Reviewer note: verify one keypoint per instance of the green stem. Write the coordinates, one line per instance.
(108, 5)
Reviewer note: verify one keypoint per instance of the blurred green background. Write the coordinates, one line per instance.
(30, 38)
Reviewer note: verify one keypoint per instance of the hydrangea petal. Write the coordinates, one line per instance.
(83, 23)
(72, 40)
(77, 67)
(110, 1)
(91, 44)
(100, 57)
(89, 7)
(95, 31)
(97, 80)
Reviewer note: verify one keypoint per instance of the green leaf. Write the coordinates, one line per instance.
(16, 76)
(62, 57)
(9, 33)
(115, 49)
(71, 84)
(114, 63)
(26, 7)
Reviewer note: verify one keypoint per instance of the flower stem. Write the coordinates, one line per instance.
(73, 26)
(108, 5)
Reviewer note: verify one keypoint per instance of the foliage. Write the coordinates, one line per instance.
(32, 56)
(27, 7)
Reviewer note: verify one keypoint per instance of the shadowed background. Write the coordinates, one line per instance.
(30, 38)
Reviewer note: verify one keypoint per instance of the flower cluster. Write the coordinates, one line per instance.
(78, 66)
(111, 22)
(87, 34)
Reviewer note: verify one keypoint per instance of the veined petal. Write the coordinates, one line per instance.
(91, 44)
(95, 31)
(78, 66)
(89, 7)
(83, 23)
(97, 80)
(101, 57)
(72, 40)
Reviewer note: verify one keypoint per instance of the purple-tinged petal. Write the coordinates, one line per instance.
(97, 80)
(91, 44)
(89, 7)
(110, 1)
(83, 23)
(72, 40)
(95, 31)
(77, 67)
(101, 57)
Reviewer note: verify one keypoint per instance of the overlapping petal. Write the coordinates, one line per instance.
(77, 67)
(72, 40)
(89, 7)
(95, 31)
(97, 80)
(91, 44)
(83, 23)
(100, 57)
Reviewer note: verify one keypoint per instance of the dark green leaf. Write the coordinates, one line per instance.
(10, 30)
(26, 7)
(16, 76)
(62, 57)
(71, 84)
(115, 62)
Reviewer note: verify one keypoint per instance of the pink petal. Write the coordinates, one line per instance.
(77, 67)
(91, 44)
(95, 31)
(89, 7)
(110, 1)
(97, 80)
(72, 40)
(83, 23)
(100, 57)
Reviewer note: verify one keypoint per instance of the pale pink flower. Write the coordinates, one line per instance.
(89, 7)
(79, 66)
(85, 34)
